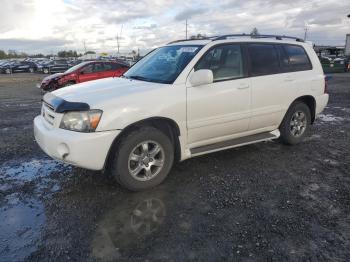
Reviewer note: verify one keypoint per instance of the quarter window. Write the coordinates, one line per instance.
(224, 61)
(263, 59)
(297, 59)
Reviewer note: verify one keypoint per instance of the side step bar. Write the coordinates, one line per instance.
(234, 143)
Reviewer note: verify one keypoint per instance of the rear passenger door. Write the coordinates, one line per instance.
(296, 64)
(270, 87)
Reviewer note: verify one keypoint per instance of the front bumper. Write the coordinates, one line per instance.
(86, 150)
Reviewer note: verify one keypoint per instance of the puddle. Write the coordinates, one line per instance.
(329, 118)
(30, 170)
(124, 224)
(23, 185)
(20, 228)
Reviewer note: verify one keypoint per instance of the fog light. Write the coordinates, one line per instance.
(63, 150)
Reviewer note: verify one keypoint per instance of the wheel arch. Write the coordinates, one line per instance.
(164, 124)
(310, 101)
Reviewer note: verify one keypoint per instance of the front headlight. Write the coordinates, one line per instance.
(81, 121)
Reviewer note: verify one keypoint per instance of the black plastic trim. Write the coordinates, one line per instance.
(60, 105)
(232, 142)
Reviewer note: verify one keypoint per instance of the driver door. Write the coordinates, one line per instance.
(87, 73)
(221, 109)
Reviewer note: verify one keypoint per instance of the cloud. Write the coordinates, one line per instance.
(30, 46)
(39, 26)
(189, 13)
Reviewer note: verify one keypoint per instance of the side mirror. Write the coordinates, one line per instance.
(201, 77)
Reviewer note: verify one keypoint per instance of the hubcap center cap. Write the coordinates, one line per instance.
(145, 160)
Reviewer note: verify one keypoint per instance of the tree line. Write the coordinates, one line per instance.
(12, 54)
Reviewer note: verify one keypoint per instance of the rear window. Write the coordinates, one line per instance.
(263, 59)
(295, 59)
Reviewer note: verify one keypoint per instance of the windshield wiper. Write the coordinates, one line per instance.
(140, 78)
(148, 79)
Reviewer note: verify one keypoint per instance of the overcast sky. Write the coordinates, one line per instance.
(51, 25)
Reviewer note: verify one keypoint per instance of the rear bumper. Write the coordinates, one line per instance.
(321, 103)
(86, 150)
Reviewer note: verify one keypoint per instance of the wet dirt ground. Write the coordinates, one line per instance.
(263, 202)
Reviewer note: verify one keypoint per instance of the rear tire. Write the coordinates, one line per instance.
(295, 124)
(138, 167)
(46, 70)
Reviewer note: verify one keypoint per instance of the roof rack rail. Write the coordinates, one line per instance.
(189, 39)
(223, 37)
(278, 37)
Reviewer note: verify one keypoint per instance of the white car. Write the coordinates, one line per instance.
(185, 99)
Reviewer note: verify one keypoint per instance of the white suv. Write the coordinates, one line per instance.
(185, 99)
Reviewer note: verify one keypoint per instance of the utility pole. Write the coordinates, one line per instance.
(118, 42)
(186, 29)
(305, 34)
(84, 47)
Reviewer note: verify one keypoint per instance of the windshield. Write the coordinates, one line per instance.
(72, 69)
(164, 64)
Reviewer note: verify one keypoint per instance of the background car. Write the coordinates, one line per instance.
(83, 72)
(18, 66)
(55, 66)
(336, 65)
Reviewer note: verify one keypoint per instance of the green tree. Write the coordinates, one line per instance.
(3, 55)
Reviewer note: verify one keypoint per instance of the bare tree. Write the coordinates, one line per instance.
(254, 32)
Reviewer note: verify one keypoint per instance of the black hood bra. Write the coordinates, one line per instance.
(60, 105)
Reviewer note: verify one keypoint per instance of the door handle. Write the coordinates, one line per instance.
(289, 79)
(243, 86)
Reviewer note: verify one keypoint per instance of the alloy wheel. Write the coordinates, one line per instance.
(298, 124)
(146, 160)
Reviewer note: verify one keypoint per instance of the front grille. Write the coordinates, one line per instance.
(48, 113)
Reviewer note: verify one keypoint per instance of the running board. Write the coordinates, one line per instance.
(234, 143)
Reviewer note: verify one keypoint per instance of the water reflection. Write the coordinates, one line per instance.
(126, 223)
(147, 216)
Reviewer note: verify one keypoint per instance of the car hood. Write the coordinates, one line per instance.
(50, 77)
(101, 92)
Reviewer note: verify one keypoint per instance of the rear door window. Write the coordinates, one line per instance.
(297, 59)
(98, 67)
(107, 66)
(263, 59)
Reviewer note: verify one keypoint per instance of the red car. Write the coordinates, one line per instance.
(83, 72)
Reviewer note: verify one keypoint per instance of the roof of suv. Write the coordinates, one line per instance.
(240, 38)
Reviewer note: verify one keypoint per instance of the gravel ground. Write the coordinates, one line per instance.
(263, 202)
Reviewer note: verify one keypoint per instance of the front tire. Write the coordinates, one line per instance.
(296, 124)
(142, 159)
